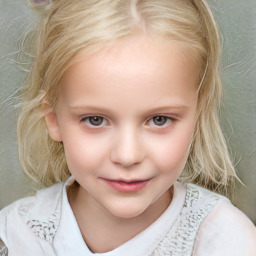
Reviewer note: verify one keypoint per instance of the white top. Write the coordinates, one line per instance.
(197, 222)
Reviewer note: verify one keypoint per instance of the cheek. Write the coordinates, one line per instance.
(172, 151)
(84, 152)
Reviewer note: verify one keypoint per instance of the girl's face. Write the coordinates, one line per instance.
(126, 117)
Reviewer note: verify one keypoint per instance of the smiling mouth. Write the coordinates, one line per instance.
(127, 186)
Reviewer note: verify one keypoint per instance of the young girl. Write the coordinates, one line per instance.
(121, 102)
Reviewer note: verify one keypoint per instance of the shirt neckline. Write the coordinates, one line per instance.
(69, 232)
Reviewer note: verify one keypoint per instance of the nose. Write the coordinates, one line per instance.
(128, 148)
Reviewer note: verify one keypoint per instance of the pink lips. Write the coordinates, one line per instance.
(127, 187)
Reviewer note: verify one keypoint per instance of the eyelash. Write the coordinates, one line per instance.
(168, 120)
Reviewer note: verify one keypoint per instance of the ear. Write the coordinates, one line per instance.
(51, 122)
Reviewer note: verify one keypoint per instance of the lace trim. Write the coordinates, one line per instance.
(179, 240)
(24, 208)
(3, 248)
(45, 230)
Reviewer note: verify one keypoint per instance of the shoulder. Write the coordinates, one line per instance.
(225, 231)
(16, 218)
(10, 214)
(198, 204)
(22, 206)
(18, 206)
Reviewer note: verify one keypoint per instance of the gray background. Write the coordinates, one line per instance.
(237, 21)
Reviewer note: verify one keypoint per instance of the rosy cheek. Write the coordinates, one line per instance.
(172, 153)
(84, 153)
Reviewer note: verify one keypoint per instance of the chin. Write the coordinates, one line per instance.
(127, 212)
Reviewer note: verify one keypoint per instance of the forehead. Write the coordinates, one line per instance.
(137, 47)
(132, 63)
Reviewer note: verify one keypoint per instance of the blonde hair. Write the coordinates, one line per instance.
(68, 27)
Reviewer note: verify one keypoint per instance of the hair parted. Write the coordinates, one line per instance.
(68, 27)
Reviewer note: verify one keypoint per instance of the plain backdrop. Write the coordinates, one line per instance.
(237, 22)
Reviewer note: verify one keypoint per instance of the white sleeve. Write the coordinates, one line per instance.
(226, 231)
(3, 246)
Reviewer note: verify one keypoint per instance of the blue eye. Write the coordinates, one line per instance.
(160, 121)
(95, 121)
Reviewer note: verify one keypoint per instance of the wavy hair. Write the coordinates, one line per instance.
(68, 27)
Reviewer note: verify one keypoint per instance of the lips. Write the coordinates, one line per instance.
(127, 186)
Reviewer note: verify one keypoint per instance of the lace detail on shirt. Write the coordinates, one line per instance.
(179, 240)
(3, 248)
(45, 230)
(24, 208)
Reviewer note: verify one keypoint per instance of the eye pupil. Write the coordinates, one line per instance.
(159, 120)
(96, 120)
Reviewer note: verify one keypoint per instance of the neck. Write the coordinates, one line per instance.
(101, 230)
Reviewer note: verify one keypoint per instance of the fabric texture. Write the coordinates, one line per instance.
(3, 248)
(45, 225)
(180, 238)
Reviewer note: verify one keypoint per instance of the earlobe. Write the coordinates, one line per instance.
(51, 122)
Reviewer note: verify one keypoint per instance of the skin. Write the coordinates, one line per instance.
(125, 87)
